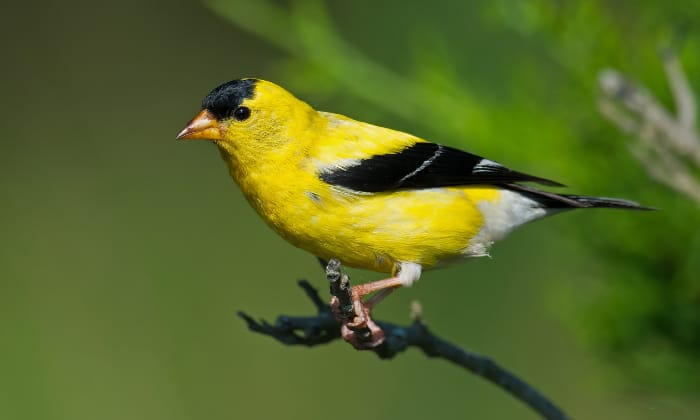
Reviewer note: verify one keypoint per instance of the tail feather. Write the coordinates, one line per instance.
(606, 202)
(568, 201)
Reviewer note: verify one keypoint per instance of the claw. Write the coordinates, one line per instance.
(360, 331)
(357, 326)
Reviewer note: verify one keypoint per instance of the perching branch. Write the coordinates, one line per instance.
(323, 328)
(667, 145)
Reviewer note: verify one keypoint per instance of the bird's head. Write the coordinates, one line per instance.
(250, 116)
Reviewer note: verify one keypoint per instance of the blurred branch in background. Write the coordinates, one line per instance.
(667, 145)
(323, 328)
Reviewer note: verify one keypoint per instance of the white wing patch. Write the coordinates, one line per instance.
(424, 165)
(485, 165)
(338, 164)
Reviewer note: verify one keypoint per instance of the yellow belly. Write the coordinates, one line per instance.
(377, 231)
(426, 227)
(370, 231)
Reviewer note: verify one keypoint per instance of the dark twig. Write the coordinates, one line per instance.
(324, 328)
(340, 288)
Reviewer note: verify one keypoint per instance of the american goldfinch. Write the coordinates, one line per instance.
(372, 197)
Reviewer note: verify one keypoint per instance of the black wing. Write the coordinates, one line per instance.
(424, 165)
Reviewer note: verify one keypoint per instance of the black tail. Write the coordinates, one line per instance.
(567, 201)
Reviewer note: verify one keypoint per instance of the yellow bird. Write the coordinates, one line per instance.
(373, 197)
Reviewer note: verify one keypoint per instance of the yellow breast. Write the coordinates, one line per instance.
(371, 231)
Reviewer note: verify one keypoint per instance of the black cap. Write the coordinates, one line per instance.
(223, 99)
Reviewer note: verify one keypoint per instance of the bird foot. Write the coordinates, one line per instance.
(361, 331)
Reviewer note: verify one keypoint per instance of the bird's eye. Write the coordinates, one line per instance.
(241, 113)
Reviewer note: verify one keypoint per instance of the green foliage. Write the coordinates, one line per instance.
(126, 254)
(516, 81)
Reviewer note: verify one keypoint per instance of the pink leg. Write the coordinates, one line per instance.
(362, 318)
(364, 289)
(378, 297)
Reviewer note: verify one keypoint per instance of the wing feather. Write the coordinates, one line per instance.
(424, 165)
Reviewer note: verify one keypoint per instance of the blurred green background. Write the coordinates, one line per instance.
(125, 254)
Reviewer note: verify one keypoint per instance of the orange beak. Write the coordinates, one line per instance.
(203, 126)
